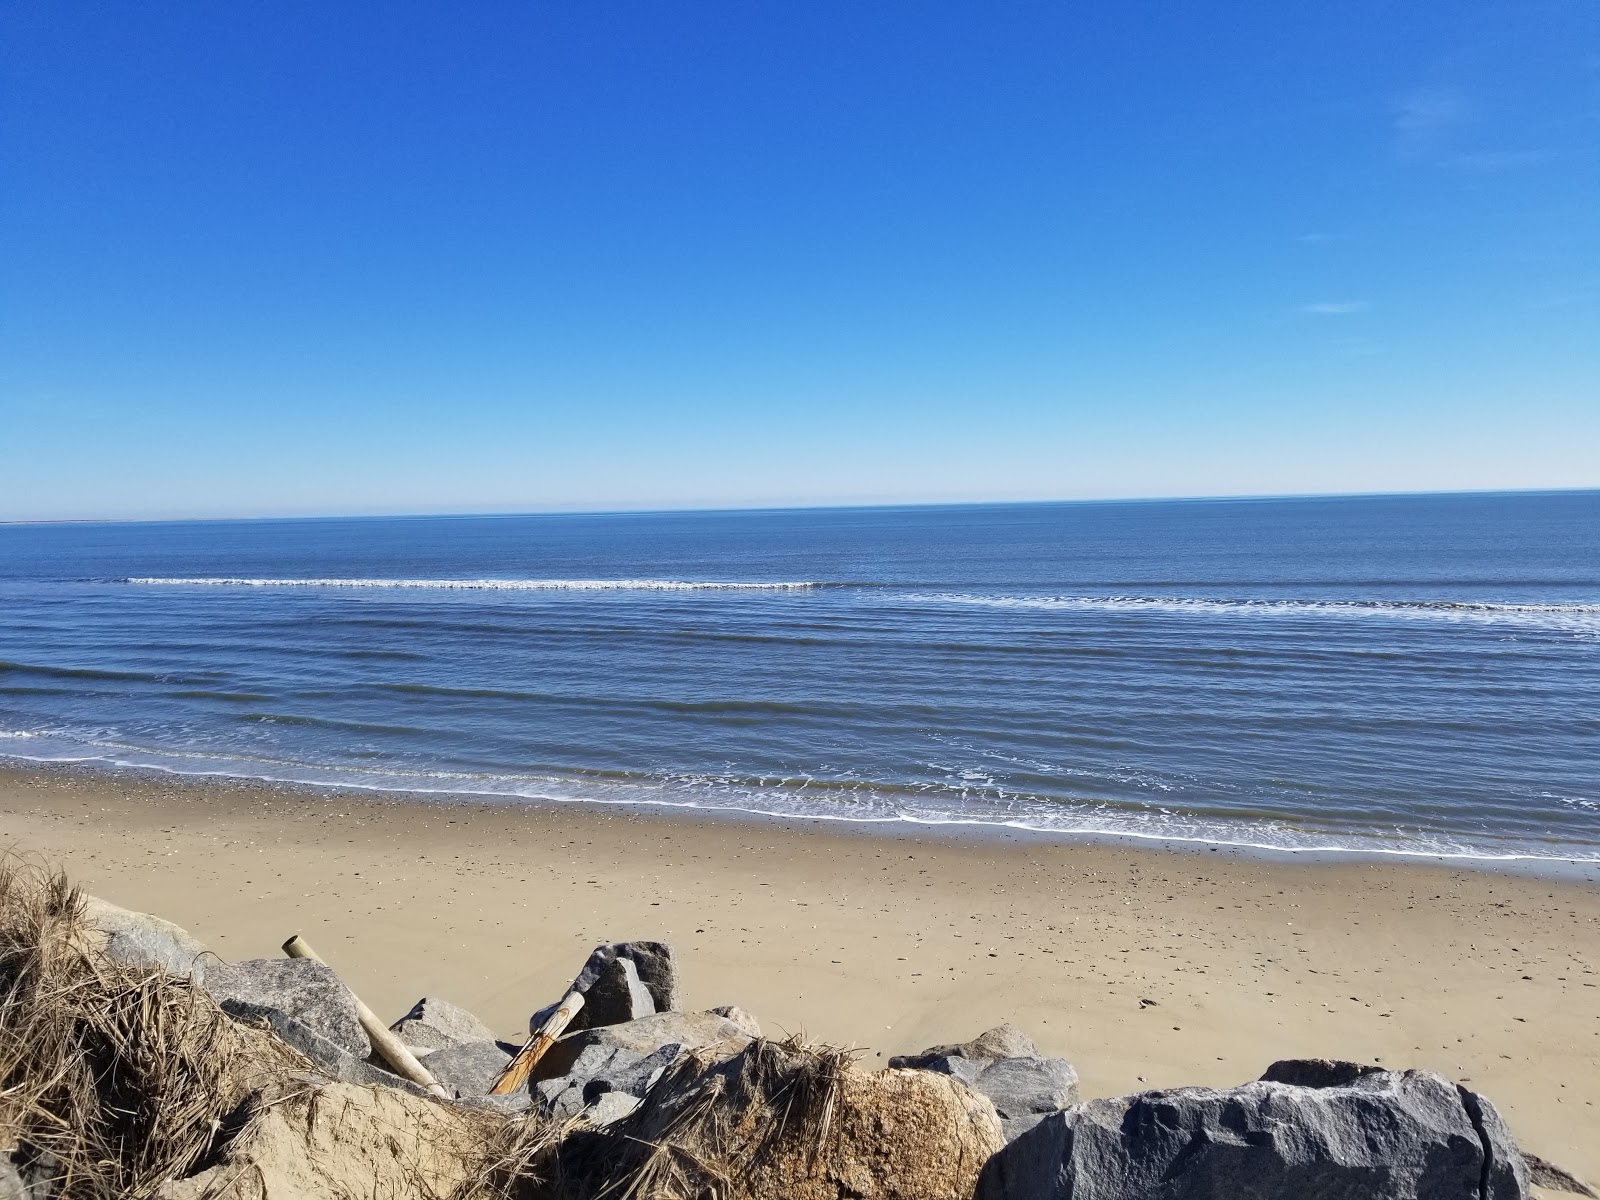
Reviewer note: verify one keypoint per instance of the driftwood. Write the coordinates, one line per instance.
(519, 1068)
(390, 1048)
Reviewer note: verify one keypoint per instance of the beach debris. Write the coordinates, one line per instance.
(791, 1120)
(385, 1044)
(339, 1141)
(113, 1076)
(1382, 1135)
(540, 1040)
(303, 989)
(332, 1061)
(619, 982)
(143, 941)
(434, 1024)
(1004, 1064)
(629, 1058)
(1548, 1175)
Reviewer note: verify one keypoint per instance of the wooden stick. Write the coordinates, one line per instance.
(390, 1048)
(519, 1068)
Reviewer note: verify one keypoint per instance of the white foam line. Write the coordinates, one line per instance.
(496, 585)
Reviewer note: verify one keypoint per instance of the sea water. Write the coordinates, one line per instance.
(1413, 674)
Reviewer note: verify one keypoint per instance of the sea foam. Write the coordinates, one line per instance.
(499, 585)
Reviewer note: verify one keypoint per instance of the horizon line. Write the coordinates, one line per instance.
(786, 508)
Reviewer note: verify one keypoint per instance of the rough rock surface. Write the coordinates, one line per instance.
(690, 1031)
(1381, 1136)
(747, 1023)
(780, 1120)
(301, 988)
(141, 940)
(343, 1141)
(1003, 1041)
(1004, 1065)
(1317, 1072)
(615, 994)
(600, 1071)
(469, 1069)
(331, 1059)
(652, 962)
(433, 1024)
(1551, 1177)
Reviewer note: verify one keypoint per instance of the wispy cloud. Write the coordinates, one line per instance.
(1423, 114)
(1491, 162)
(1335, 308)
(1317, 239)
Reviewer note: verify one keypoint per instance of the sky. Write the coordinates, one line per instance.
(297, 258)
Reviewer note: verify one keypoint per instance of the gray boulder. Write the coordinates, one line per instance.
(1003, 1041)
(652, 963)
(746, 1022)
(301, 988)
(615, 995)
(1552, 1178)
(468, 1069)
(331, 1059)
(143, 941)
(1004, 1065)
(434, 1024)
(1380, 1136)
(611, 1108)
(601, 1071)
(627, 1058)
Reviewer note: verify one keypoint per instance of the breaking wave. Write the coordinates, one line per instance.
(492, 585)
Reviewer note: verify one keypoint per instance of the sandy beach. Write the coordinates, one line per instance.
(887, 941)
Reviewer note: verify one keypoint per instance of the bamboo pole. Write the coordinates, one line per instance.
(390, 1048)
(519, 1068)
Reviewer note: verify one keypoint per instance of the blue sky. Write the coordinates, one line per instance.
(292, 258)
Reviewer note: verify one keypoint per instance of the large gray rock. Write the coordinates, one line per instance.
(652, 963)
(434, 1024)
(1380, 1136)
(628, 1058)
(301, 988)
(1004, 1065)
(601, 1071)
(1003, 1041)
(143, 941)
(468, 1069)
(615, 995)
(331, 1059)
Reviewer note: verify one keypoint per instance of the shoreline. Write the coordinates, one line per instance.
(889, 943)
(974, 830)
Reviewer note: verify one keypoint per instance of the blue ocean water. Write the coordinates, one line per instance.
(1412, 674)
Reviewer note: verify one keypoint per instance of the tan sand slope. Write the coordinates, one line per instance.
(886, 942)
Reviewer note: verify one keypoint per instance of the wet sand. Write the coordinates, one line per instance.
(887, 941)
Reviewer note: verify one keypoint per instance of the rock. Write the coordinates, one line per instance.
(468, 1069)
(615, 995)
(333, 1060)
(601, 1071)
(628, 1058)
(1317, 1072)
(611, 1108)
(341, 1141)
(1381, 1136)
(25, 1177)
(141, 940)
(301, 988)
(746, 1022)
(1003, 1041)
(652, 962)
(1548, 1175)
(1004, 1065)
(434, 1024)
(784, 1120)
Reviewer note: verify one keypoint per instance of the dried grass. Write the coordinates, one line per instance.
(708, 1128)
(113, 1080)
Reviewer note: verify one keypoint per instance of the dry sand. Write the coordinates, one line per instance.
(887, 942)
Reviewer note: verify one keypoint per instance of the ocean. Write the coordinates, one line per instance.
(1393, 674)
